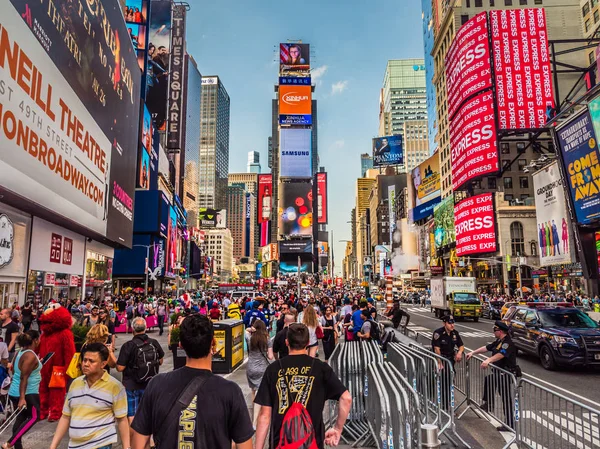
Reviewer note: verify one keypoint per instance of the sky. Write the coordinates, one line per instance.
(351, 42)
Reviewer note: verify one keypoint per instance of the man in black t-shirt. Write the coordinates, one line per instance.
(217, 414)
(9, 332)
(279, 346)
(299, 378)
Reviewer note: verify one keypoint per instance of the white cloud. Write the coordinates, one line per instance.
(318, 72)
(339, 87)
(338, 144)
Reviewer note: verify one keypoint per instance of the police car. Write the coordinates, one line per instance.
(558, 333)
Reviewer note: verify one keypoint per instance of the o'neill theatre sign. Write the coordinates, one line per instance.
(7, 233)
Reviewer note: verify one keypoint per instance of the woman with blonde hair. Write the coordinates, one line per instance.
(310, 320)
(98, 333)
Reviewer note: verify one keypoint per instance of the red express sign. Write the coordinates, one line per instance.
(475, 225)
(468, 67)
(522, 67)
(473, 140)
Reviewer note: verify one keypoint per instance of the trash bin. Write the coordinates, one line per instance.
(229, 353)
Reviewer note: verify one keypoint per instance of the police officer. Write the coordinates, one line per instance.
(447, 343)
(504, 355)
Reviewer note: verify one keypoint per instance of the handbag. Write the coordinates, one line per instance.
(57, 380)
(319, 333)
(74, 369)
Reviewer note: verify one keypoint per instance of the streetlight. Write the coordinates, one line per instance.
(146, 265)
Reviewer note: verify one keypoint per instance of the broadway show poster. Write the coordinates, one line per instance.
(78, 94)
(579, 150)
(387, 150)
(424, 189)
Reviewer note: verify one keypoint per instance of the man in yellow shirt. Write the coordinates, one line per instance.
(93, 404)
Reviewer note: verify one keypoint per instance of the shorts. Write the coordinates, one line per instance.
(313, 345)
(133, 401)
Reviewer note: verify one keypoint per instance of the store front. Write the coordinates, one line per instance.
(15, 230)
(98, 270)
(56, 263)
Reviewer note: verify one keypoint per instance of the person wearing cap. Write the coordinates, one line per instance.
(446, 342)
(504, 355)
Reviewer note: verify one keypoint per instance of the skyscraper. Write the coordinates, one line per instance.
(366, 162)
(428, 39)
(214, 144)
(245, 232)
(236, 218)
(253, 162)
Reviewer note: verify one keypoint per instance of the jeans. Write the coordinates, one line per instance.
(161, 323)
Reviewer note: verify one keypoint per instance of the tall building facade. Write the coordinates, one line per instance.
(214, 144)
(244, 245)
(366, 163)
(428, 39)
(253, 162)
(236, 218)
(416, 143)
(219, 247)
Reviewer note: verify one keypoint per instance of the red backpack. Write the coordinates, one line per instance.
(297, 430)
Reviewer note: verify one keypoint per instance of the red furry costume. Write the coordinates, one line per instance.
(57, 337)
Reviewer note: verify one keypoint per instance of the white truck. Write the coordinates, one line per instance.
(455, 296)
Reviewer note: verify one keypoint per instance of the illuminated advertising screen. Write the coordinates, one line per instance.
(424, 189)
(295, 208)
(295, 246)
(295, 160)
(323, 248)
(144, 171)
(295, 104)
(475, 224)
(443, 217)
(265, 197)
(579, 150)
(387, 151)
(212, 218)
(135, 11)
(147, 130)
(171, 257)
(468, 67)
(322, 198)
(523, 78)
(294, 58)
(473, 140)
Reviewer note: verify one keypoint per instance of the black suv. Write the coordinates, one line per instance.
(558, 333)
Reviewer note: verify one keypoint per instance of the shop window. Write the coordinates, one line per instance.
(517, 241)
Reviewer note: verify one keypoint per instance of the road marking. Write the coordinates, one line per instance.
(566, 429)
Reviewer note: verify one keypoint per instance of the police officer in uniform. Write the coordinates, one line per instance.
(447, 343)
(504, 355)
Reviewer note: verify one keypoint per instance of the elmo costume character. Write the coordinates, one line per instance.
(55, 324)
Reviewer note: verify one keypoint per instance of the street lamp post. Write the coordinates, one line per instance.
(146, 265)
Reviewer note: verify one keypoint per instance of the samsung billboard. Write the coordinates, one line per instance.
(295, 160)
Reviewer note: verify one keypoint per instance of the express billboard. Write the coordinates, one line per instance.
(294, 58)
(265, 197)
(322, 198)
(387, 150)
(475, 224)
(554, 242)
(473, 140)
(295, 213)
(295, 160)
(467, 63)
(523, 77)
(579, 150)
(66, 84)
(295, 104)
(424, 189)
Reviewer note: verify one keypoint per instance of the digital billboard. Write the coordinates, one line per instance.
(147, 130)
(523, 77)
(387, 151)
(295, 208)
(467, 64)
(64, 81)
(295, 246)
(443, 217)
(475, 225)
(212, 218)
(135, 11)
(424, 189)
(295, 104)
(554, 233)
(295, 160)
(265, 197)
(294, 58)
(144, 171)
(473, 140)
(322, 198)
(579, 150)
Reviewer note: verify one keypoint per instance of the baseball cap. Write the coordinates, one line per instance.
(448, 319)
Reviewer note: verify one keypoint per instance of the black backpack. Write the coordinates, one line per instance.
(146, 361)
(375, 331)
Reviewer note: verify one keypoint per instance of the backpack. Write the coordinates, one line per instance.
(146, 361)
(375, 331)
(297, 429)
(129, 313)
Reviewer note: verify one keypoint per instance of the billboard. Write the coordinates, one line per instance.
(81, 150)
(387, 150)
(294, 58)
(265, 197)
(147, 130)
(523, 78)
(552, 220)
(295, 160)
(392, 211)
(322, 198)
(159, 48)
(295, 246)
(579, 150)
(467, 64)
(473, 140)
(295, 208)
(212, 218)
(176, 81)
(424, 189)
(475, 224)
(443, 217)
(135, 11)
(144, 171)
(323, 248)
(295, 104)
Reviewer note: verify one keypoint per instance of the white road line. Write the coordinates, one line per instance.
(565, 429)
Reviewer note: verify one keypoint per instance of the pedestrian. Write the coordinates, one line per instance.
(309, 318)
(260, 355)
(280, 349)
(92, 318)
(215, 312)
(98, 333)
(94, 403)
(161, 315)
(9, 332)
(396, 313)
(283, 310)
(446, 342)
(358, 317)
(254, 314)
(27, 316)
(504, 356)
(330, 336)
(24, 391)
(233, 311)
(294, 390)
(139, 361)
(178, 416)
